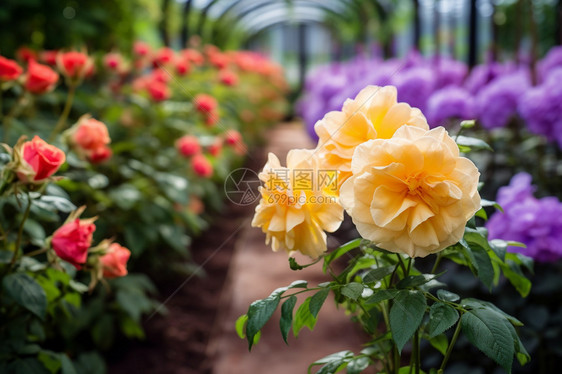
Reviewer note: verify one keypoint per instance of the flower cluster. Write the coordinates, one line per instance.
(444, 89)
(406, 187)
(535, 222)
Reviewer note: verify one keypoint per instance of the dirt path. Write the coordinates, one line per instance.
(254, 272)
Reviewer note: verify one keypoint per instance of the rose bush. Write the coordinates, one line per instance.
(410, 194)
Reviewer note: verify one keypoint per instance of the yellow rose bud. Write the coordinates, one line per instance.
(298, 204)
(412, 193)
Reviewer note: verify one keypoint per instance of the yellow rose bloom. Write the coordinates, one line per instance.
(412, 193)
(298, 204)
(373, 114)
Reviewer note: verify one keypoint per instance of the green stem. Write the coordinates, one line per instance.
(65, 112)
(20, 233)
(402, 264)
(409, 266)
(396, 359)
(416, 348)
(36, 252)
(450, 348)
(437, 261)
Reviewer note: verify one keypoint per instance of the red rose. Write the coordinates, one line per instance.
(233, 137)
(141, 48)
(74, 65)
(40, 78)
(182, 66)
(26, 54)
(113, 61)
(160, 75)
(216, 147)
(90, 134)
(188, 145)
(72, 240)
(228, 78)
(157, 90)
(201, 166)
(114, 262)
(100, 154)
(193, 56)
(9, 69)
(163, 56)
(205, 103)
(49, 57)
(43, 158)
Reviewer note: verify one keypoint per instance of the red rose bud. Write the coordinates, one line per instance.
(72, 240)
(89, 134)
(40, 78)
(188, 145)
(9, 69)
(228, 78)
(205, 103)
(193, 56)
(113, 61)
(160, 75)
(163, 56)
(74, 65)
(49, 57)
(157, 90)
(182, 66)
(26, 54)
(114, 262)
(41, 160)
(141, 49)
(216, 147)
(201, 166)
(100, 155)
(233, 137)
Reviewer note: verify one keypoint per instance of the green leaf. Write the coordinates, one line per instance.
(475, 303)
(352, 290)
(259, 313)
(406, 315)
(337, 253)
(6, 256)
(472, 143)
(499, 247)
(487, 330)
(26, 366)
(239, 325)
(416, 280)
(377, 274)
(485, 203)
(27, 293)
(441, 318)
(287, 316)
(332, 363)
(303, 318)
(382, 295)
(358, 364)
(485, 268)
(317, 300)
(54, 203)
(512, 271)
(448, 296)
(440, 343)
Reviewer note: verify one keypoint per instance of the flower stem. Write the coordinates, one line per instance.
(437, 262)
(65, 112)
(416, 351)
(402, 264)
(36, 252)
(20, 232)
(450, 348)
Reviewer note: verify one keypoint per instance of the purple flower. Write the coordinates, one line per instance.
(449, 102)
(535, 222)
(551, 61)
(415, 85)
(496, 103)
(450, 73)
(481, 75)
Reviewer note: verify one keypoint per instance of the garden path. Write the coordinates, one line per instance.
(254, 272)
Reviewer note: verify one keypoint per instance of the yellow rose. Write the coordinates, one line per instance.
(297, 206)
(374, 114)
(412, 193)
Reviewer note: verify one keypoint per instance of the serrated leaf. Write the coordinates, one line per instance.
(377, 274)
(406, 315)
(259, 313)
(340, 251)
(512, 271)
(440, 343)
(475, 303)
(287, 316)
(382, 295)
(352, 290)
(317, 300)
(441, 318)
(27, 293)
(303, 318)
(487, 330)
(416, 280)
(448, 296)
(485, 268)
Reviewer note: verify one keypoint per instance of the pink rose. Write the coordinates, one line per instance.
(114, 262)
(201, 166)
(188, 145)
(40, 78)
(9, 69)
(72, 240)
(43, 159)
